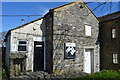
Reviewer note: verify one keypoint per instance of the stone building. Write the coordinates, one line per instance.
(71, 25)
(109, 41)
(22, 45)
(66, 38)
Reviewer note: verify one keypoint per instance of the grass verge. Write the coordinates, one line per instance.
(105, 74)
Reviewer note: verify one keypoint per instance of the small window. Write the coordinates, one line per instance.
(88, 31)
(113, 33)
(115, 58)
(22, 45)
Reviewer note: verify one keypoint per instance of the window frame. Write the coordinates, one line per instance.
(115, 34)
(85, 30)
(22, 45)
(115, 58)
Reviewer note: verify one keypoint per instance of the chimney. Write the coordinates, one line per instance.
(22, 21)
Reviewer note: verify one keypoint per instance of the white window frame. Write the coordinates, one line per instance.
(113, 32)
(23, 45)
(115, 58)
(88, 30)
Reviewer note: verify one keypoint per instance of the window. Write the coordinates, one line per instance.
(115, 58)
(22, 45)
(113, 33)
(88, 31)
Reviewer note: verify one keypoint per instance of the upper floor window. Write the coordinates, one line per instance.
(88, 31)
(115, 58)
(22, 45)
(113, 33)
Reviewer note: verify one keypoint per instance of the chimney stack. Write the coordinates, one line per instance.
(22, 21)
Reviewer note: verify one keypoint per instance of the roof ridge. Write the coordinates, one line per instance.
(23, 25)
(109, 14)
(68, 4)
(26, 24)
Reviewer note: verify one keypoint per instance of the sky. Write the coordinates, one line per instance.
(40, 9)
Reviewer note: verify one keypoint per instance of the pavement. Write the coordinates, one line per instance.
(40, 75)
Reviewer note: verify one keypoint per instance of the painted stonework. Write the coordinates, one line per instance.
(30, 33)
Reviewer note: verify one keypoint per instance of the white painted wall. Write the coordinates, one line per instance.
(32, 28)
(31, 32)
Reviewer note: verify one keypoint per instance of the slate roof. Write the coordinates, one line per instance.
(109, 17)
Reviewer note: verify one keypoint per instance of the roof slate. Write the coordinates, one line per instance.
(110, 17)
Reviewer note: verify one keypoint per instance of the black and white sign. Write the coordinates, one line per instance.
(70, 50)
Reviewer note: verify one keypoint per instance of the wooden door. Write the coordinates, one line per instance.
(38, 56)
(87, 61)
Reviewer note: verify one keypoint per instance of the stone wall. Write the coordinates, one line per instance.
(17, 64)
(118, 22)
(30, 32)
(108, 45)
(49, 41)
(69, 22)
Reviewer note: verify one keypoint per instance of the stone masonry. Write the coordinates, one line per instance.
(68, 26)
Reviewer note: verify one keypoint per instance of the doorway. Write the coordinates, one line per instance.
(38, 56)
(89, 60)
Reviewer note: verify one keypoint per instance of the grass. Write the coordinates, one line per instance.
(105, 74)
(3, 73)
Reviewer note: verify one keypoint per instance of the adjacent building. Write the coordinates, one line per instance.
(22, 45)
(110, 41)
(66, 38)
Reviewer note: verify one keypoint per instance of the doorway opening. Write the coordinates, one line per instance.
(38, 56)
(89, 60)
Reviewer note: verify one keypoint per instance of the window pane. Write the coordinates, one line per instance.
(115, 55)
(22, 48)
(115, 58)
(22, 42)
(113, 33)
(88, 30)
(116, 61)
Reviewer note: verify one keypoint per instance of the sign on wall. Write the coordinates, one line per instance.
(69, 52)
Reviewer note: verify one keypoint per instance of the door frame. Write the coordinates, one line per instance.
(43, 53)
(91, 57)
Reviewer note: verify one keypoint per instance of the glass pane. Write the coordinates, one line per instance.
(22, 42)
(113, 60)
(88, 30)
(113, 56)
(116, 56)
(116, 61)
(113, 33)
(22, 48)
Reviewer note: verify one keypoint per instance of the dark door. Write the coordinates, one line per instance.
(38, 56)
